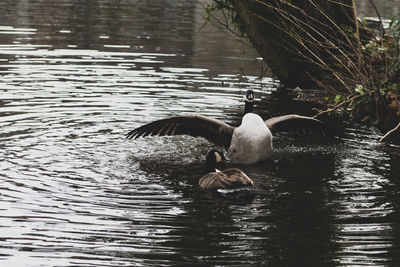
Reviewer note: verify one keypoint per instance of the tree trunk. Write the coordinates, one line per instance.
(306, 43)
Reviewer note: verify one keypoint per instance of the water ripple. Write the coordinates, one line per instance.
(74, 192)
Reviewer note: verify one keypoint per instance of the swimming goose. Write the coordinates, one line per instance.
(226, 181)
(249, 143)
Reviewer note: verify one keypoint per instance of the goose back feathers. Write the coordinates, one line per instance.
(231, 179)
(251, 141)
(227, 179)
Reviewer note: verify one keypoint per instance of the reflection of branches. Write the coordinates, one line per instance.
(225, 24)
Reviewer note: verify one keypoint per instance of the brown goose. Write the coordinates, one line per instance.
(226, 181)
(249, 143)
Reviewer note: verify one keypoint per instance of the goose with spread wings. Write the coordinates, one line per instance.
(249, 143)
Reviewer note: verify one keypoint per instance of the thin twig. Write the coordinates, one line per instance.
(356, 24)
(230, 32)
(379, 17)
(302, 25)
(329, 110)
(320, 34)
(317, 41)
(390, 132)
(301, 42)
(339, 3)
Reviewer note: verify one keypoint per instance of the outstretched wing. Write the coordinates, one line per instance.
(213, 130)
(297, 123)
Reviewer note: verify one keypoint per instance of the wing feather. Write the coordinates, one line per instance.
(213, 130)
(301, 124)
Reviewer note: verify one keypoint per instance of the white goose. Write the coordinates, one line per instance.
(249, 143)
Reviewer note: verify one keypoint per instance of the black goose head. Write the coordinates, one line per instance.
(249, 101)
(215, 159)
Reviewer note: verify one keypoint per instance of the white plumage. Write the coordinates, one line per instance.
(251, 141)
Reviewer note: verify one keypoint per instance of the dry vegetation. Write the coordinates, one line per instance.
(332, 49)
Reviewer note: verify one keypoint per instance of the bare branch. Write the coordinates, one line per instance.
(389, 133)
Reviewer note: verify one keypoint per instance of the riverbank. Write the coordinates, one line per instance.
(322, 105)
(353, 66)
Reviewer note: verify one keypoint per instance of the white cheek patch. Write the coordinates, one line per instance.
(249, 100)
(218, 158)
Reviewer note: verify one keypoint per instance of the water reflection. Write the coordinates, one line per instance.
(364, 231)
(386, 9)
(75, 76)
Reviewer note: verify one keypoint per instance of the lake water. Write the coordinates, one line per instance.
(76, 76)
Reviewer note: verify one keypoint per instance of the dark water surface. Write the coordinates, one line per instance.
(75, 76)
